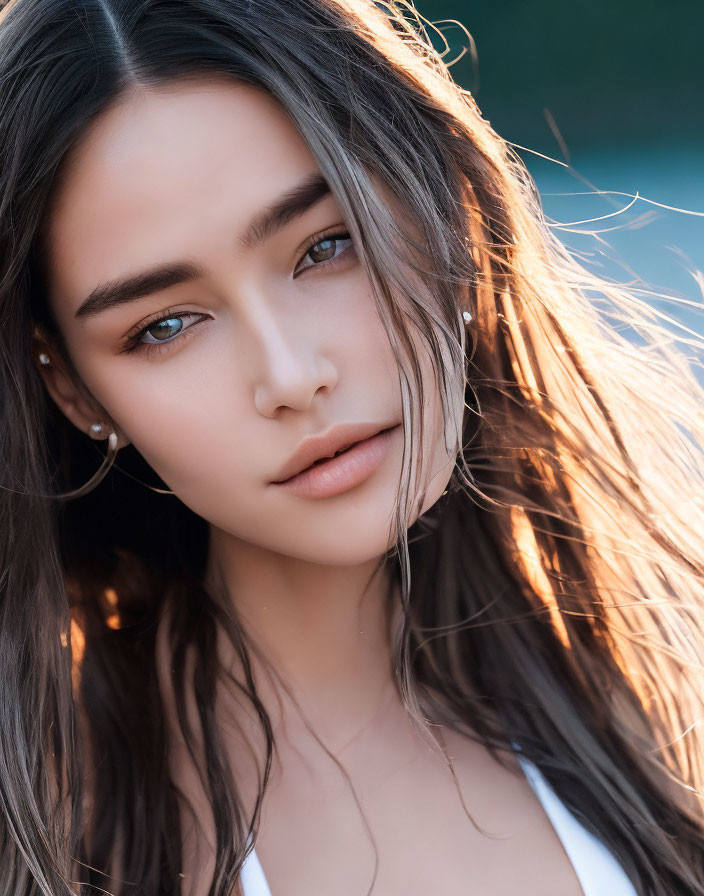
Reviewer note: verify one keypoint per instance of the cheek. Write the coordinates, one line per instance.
(203, 442)
(188, 415)
(363, 346)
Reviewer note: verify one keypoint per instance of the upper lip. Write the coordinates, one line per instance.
(326, 444)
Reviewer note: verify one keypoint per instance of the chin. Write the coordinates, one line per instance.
(341, 548)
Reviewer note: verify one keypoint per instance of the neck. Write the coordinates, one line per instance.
(321, 630)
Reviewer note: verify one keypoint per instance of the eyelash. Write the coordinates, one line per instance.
(132, 341)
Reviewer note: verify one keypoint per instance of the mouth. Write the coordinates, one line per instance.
(322, 460)
(316, 450)
(343, 469)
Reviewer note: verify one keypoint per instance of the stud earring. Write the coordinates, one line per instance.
(467, 316)
(44, 359)
(96, 428)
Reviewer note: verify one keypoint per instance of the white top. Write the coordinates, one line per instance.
(597, 870)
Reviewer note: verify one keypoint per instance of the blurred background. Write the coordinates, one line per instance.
(613, 92)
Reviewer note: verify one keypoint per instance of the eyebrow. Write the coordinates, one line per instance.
(294, 203)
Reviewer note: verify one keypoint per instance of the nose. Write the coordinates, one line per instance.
(291, 368)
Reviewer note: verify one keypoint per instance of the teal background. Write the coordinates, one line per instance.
(623, 84)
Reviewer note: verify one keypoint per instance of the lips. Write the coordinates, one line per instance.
(321, 460)
(326, 445)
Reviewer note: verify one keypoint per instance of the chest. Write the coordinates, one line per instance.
(405, 823)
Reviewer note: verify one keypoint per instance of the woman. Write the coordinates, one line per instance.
(239, 238)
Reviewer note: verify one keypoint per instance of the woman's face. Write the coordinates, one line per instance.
(268, 333)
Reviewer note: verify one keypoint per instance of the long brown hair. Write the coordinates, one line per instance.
(553, 598)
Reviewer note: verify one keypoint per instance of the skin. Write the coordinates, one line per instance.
(262, 362)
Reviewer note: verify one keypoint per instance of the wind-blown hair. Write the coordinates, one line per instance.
(553, 597)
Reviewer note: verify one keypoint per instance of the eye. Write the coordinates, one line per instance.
(162, 331)
(326, 250)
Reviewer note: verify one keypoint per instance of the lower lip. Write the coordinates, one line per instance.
(341, 473)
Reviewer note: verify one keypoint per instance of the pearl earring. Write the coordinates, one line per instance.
(96, 427)
(44, 359)
(467, 316)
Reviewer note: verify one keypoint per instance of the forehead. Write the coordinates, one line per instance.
(161, 172)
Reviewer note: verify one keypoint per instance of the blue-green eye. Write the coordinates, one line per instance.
(162, 330)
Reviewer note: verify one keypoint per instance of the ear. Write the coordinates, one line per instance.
(68, 392)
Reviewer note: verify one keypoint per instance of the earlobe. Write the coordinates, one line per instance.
(68, 395)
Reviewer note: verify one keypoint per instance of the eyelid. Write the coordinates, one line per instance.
(136, 330)
(321, 235)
